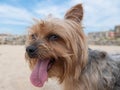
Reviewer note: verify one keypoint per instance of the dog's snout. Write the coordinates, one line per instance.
(31, 50)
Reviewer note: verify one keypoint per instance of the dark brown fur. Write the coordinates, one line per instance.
(76, 67)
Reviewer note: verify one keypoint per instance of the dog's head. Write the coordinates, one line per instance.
(57, 48)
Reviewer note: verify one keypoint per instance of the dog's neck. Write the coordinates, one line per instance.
(71, 84)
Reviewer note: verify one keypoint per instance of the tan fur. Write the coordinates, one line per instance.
(70, 51)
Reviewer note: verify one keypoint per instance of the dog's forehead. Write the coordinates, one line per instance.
(47, 27)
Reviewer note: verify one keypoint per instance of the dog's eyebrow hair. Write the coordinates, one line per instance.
(52, 33)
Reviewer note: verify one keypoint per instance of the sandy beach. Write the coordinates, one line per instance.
(14, 71)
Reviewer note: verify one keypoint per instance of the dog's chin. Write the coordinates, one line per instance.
(40, 71)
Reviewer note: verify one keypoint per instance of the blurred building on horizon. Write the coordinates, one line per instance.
(12, 39)
(109, 37)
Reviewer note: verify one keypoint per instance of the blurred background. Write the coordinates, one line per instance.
(101, 18)
(101, 25)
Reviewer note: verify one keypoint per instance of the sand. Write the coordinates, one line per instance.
(14, 71)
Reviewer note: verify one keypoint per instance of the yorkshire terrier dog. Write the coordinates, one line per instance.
(58, 48)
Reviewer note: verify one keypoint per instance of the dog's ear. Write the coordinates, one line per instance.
(75, 13)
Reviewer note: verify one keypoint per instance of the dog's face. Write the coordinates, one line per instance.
(57, 48)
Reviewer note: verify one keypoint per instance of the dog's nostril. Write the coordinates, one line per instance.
(31, 49)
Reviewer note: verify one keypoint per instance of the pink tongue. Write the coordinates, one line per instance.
(39, 73)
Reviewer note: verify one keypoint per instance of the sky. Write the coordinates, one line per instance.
(17, 15)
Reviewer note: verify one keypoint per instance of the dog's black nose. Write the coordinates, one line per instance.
(31, 50)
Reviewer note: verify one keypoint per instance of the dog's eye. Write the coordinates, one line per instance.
(33, 36)
(53, 37)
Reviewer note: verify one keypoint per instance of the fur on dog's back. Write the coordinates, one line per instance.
(102, 72)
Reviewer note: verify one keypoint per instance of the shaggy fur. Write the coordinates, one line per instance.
(63, 43)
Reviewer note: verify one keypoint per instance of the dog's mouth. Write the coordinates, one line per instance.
(40, 72)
